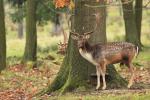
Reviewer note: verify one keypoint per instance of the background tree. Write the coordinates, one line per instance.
(76, 71)
(18, 15)
(2, 38)
(45, 12)
(31, 33)
(138, 17)
(130, 23)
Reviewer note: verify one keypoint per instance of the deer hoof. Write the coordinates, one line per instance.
(129, 86)
(104, 87)
(97, 87)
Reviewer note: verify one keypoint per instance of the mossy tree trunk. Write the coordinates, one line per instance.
(138, 18)
(130, 23)
(31, 34)
(75, 71)
(2, 38)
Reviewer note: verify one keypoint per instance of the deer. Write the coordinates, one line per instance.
(62, 48)
(103, 54)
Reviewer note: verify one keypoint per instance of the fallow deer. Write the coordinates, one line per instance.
(103, 54)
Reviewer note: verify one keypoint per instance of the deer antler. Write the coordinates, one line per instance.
(88, 32)
(74, 33)
(97, 17)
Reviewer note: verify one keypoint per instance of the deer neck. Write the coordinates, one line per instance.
(86, 52)
(86, 47)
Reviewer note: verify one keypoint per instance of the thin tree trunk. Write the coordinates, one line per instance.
(130, 25)
(2, 37)
(31, 34)
(138, 18)
(57, 29)
(20, 29)
(20, 21)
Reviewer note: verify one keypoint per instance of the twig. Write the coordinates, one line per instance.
(147, 4)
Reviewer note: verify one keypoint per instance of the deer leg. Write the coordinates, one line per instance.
(103, 72)
(98, 77)
(132, 75)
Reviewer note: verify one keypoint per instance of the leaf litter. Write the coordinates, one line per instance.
(25, 83)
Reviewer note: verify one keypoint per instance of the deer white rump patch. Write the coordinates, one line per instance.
(87, 56)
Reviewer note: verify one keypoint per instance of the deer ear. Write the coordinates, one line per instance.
(87, 36)
(74, 37)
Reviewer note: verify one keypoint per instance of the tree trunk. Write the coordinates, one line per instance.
(2, 38)
(138, 18)
(57, 28)
(20, 21)
(75, 71)
(130, 25)
(31, 34)
(20, 29)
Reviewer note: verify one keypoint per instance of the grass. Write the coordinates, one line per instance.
(103, 97)
(15, 46)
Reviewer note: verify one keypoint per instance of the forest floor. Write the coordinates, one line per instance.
(18, 82)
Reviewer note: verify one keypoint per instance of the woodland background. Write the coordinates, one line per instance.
(35, 62)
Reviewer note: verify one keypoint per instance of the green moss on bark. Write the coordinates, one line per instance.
(114, 79)
(73, 72)
(2, 38)
(31, 33)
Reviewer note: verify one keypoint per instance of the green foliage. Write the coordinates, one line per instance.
(18, 16)
(16, 2)
(46, 11)
(19, 10)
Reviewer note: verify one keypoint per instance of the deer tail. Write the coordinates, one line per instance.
(137, 51)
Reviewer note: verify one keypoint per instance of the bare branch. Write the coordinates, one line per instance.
(147, 4)
(107, 5)
(96, 20)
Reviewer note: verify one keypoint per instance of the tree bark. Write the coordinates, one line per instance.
(138, 18)
(130, 25)
(75, 71)
(2, 37)
(31, 34)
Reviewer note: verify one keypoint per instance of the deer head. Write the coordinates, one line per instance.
(81, 39)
